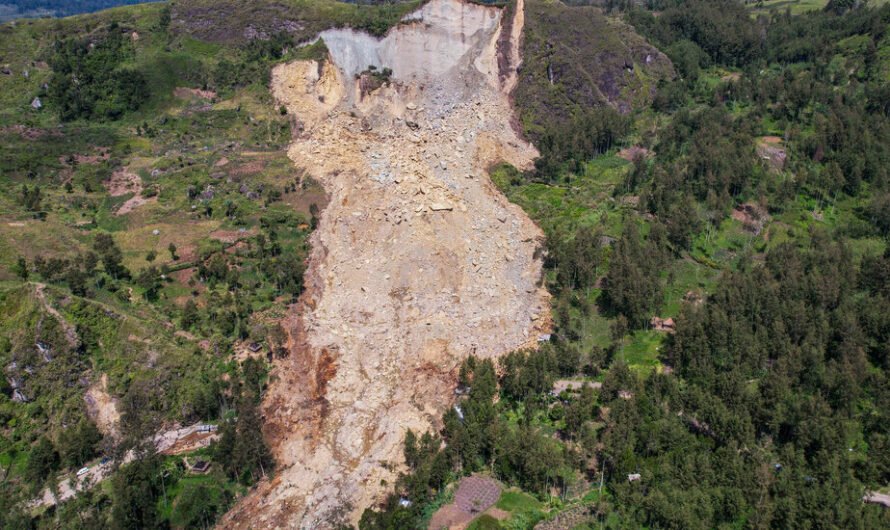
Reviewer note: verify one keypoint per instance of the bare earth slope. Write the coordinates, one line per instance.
(417, 262)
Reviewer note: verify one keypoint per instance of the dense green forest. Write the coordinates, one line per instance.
(713, 185)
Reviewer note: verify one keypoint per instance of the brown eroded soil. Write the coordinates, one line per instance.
(102, 408)
(188, 93)
(122, 182)
(772, 150)
(417, 262)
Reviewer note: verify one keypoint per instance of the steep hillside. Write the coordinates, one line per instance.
(318, 264)
(230, 21)
(418, 261)
(145, 182)
(576, 58)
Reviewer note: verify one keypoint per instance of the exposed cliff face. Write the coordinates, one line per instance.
(418, 261)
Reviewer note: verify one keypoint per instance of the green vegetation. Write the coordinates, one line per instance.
(746, 202)
(730, 175)
(574, 60)
(88, 81)
(152, 229)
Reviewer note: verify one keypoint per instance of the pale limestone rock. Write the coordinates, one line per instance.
(375, 348)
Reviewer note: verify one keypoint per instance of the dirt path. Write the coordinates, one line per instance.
(418, 260)
(174, 441)
(102, 408)
(70, 332)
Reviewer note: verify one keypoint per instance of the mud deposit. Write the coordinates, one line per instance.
(418, 261)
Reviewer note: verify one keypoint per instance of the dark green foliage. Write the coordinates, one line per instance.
(21, 269)
(111, 256)
(78, 444)
(590, 133)
(722, 29)
(89, 80)
(527, 373)
(285, 271)
(198, 505)
(708, 155)
(241, 448)
(688, 59)
(31, 197)
(86, 511)
(137, 488)
(42, 460)
(580, 411)
(12, 516)
(522, 454)
(577, 260)
(633, 285)
(149, 279)
(190, 315)
(139, 407)
(782, 367)
(479, 438)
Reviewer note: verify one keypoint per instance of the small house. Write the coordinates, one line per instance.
(662, 324)
(544, 338)
(254, 347)
(200, 467)
(36, 104)
(633, 477)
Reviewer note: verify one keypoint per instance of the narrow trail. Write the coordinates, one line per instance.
(418, 260)
(173, 441)
(70, 332)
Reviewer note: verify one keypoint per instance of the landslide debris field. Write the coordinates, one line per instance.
(417, 261)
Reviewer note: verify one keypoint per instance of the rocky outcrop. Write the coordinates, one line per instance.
(417, 263)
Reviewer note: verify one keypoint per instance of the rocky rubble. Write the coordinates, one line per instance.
(417, 263)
